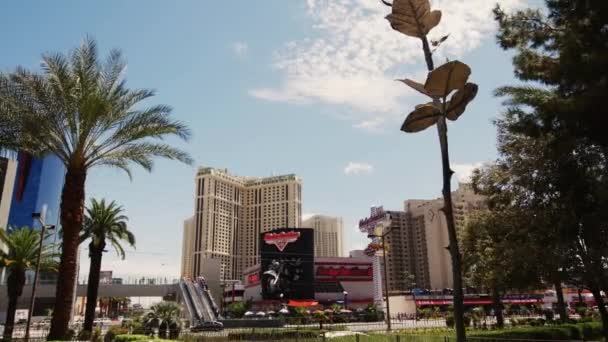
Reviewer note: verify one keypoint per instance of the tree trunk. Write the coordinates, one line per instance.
(561, 304)
(10, 318)
(72, 207)
(497, 305)
(93, 285)
(595, 290)
(14, 288)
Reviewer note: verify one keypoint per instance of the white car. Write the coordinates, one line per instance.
(102, 321)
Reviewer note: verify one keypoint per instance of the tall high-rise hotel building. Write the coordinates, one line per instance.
(230, 212)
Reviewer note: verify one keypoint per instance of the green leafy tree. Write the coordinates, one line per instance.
(237, 309)
(163, 316)
(80, 109)
(563, 50)
(103, 223)
(22, 255)
(496, 256)
(560, 179)
(562, 47)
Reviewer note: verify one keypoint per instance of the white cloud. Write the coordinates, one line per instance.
(354, 168)
(465, 171)
(355, 57)
(373, 125)
(240, 49)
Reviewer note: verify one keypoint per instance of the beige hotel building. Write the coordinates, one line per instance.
(230, 213)
(328, 235)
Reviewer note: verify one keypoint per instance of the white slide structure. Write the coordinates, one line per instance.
(199, 302)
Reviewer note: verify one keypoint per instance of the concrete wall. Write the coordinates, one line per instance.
(402, 305)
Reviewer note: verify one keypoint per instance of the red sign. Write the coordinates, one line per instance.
(475, 301)
(281, 240)
(344, 272)
(254, 278)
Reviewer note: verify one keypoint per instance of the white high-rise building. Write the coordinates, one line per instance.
(328, 235)
(230, 213)
(8, 170)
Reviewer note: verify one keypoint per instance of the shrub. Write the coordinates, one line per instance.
(96, 336)
(449, 321)
(84, 335)
(467, 320)
(589, 331)
(273, 335)
(110, 336)
(130, 338)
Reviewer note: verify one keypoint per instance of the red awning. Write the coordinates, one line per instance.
(302, 303)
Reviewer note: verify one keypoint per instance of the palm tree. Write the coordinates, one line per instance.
(164, 317)
(103, 222)
(22, 255)
(80, 109)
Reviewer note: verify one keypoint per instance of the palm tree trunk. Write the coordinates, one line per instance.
(10, 318)
(14, 288)
(72, 207)
(93, 285)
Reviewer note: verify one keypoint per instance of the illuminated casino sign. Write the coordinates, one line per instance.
(287, 264)
(281, 240)
(253, 278)
(344, 272)
(377, 217)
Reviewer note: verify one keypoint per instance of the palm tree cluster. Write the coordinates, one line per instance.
(21, 256)
(80, 109)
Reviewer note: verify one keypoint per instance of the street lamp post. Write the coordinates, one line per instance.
(385, 276)
(345, 293)
(38, 217)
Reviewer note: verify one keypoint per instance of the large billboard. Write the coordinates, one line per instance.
(287, 265)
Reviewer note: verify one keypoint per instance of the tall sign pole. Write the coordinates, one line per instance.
(374, 226)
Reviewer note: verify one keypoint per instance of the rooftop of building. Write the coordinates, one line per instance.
(247, 180)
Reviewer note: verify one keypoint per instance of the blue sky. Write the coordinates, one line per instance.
(273, 86)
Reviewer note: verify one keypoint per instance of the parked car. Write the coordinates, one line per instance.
(102, 322)
(208, 326)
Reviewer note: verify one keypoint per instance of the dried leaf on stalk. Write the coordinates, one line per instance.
(419, 87)
(413, 17)
(423, 117)
(459, 101)
(446, 78)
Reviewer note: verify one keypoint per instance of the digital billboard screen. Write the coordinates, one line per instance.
(287, 265)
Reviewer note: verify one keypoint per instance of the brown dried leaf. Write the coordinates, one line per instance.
(431, 20)
(413, 17)
(446, 78)
(423, 117)
(459, 101)
(419, 87)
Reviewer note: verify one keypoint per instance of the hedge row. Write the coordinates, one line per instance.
(272, 335)
(133, 338)
(585, 331)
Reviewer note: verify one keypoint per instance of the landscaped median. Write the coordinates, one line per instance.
(564, 332)
(138, 338)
